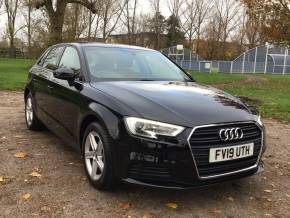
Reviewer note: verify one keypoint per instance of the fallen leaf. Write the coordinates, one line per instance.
(26, 196)
(231, 199)
(45, 208)
(172, 205)
(268, 214)
(35, 174)
(217, 211)
(124, 205)
(20, 154)
(267, 190)
(288, 195)
(146, 215)
(1, 179)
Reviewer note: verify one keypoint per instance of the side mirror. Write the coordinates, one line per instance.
(64, 74)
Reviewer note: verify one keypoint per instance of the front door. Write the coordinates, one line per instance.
(66, 98)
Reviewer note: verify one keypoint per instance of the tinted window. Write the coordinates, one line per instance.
(107, 63)
(70, 59)
(52, 58)
(40, 62)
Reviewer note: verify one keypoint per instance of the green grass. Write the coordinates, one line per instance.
(269, 93)
(13, 73)
(216, 78)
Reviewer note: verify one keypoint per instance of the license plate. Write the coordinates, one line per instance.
(231, 152)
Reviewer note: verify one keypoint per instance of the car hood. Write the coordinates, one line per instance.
(182, 103)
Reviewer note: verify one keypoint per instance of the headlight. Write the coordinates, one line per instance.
(259, 120)
(149, 128)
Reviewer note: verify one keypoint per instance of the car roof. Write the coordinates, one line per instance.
(97, 44)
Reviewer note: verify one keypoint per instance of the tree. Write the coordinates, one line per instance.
(194, 17)
(227, 15)
(110, 13)
(130, 19)
(56, 15)
(175, 6)
(157, 23)
(268, 21)
(76, 22)
(174, 34)
(11, 9)
(28, 5)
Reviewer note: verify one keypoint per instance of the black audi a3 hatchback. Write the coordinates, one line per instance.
(135, 116)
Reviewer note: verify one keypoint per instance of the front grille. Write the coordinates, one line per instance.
(204, 138)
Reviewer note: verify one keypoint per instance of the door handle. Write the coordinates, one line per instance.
(50, 87)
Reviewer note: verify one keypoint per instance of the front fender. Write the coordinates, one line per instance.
(103, 115)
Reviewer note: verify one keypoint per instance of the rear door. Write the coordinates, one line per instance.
(43, 84)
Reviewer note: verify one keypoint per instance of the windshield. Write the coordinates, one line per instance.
(107, 63)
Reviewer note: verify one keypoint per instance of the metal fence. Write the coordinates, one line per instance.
(262, 59)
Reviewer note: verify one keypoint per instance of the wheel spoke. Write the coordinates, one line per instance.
(94, 168)
(100, 163)
(89, 154)
(99, 150)
(93, 142)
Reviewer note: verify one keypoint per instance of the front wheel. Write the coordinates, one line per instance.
(97, 157)
(32, 121)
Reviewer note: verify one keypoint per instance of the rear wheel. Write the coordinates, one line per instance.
(32, 121)
(97, 157)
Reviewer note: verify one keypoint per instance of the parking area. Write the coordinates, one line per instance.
(41, 176)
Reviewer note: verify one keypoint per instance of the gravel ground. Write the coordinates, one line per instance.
(59, 187)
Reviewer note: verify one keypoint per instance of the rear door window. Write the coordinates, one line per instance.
(51, 60)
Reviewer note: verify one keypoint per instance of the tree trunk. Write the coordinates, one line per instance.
(56, 26)
(29, 27)
(12, 50)
(90, 26)
(76, 22)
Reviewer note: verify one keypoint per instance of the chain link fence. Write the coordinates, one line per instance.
(262, 59)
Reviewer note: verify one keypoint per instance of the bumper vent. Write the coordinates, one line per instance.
(204, 138)
(153, 173)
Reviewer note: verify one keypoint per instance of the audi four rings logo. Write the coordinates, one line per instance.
(231, 134)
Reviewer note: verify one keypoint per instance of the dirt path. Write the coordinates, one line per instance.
(249, 79)
(62, 190)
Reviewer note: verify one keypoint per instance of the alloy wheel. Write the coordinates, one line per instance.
(94, 155)
(29, 111)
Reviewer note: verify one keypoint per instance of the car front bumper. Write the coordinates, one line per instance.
(168, 163)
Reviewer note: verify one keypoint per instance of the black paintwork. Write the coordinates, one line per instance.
(66, 107)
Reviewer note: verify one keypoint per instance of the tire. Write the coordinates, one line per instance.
(31, 119)
(98, 162)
